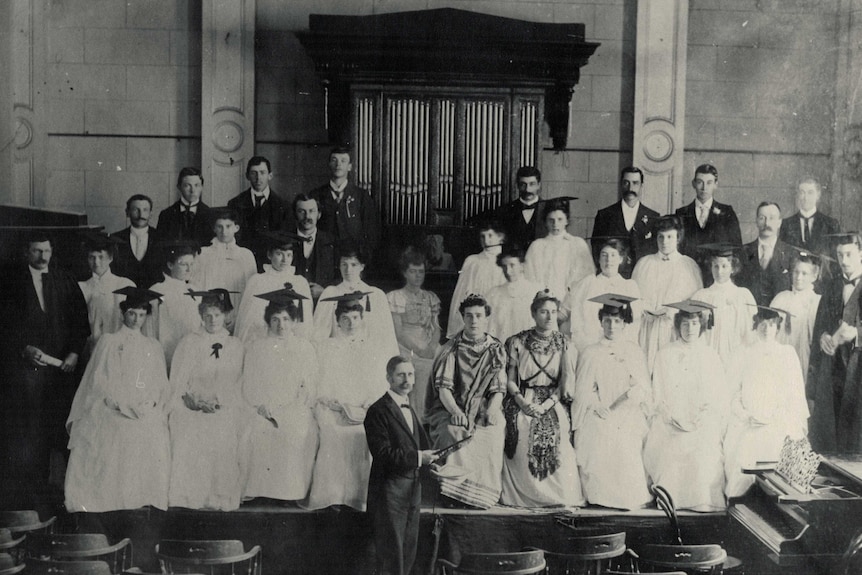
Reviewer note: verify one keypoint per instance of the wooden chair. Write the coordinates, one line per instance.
(26, 521)
(48, 567)
(653, 573)
(8, 565)
(10, 544)
(520, 563)
(213, 557)
(586, 554)
(690, 559)
(80, 546)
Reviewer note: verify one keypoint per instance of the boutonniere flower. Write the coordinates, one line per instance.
(648, 235)
(645, 219)
(716, 211)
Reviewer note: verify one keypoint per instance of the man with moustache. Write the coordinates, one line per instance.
(136, 257)
(315, 256)
(766, 261)
(399, 448)
(628, 218)
(189, 217)
(809, 228)
(41, 348)
(522, 219)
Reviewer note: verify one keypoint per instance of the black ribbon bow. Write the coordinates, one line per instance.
(216, 347)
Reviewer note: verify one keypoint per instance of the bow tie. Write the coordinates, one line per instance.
(404, 405)
(188, 208)
(852, 282)
(216, 347)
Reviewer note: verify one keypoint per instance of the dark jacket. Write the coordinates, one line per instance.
(722, 226)
(172, 224)
(519, 232)
(272, 216)
(609, 221)
(355, 219)
(320, 267)
(145, 272)
(764, 285)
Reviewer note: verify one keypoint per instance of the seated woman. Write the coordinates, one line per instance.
(176, 315)
(250, 324)
(352, 377)
(206, 412)
(464, 400)
(769, 402)
(415, 314)
(540, 469)
(279, 383)
(733, 304)
(559, 259)
(611, 411)
(377, 321)
(582, 311)
(479, 273)
(683, 450)
(118, 431)
(511, 301)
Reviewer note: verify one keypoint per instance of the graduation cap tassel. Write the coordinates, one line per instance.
(367, 304)
(300, 314)
(710, 322)
(787, 323)
(627, 313)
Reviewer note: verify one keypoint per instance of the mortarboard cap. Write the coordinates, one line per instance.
(92, 240)
(848, 237)
(769, 312)
(695, 306)
(282, 238)
(349, 297)
(615, 301)
(283, 296)
(817, 257)
(722, 249)
(220, 294)
(138, 296)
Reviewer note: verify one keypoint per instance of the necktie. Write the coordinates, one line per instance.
(188, 217)
(806, 230)
(138, 251)
(701, 216)
(258, 201)
(338, 195)
(45, 293)
(765, 256)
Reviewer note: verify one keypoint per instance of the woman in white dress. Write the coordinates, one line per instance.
(559, 259)
(683, 451)
(801, 303)
(279, 384)
(734, 305)
(663, 277)
(176, 315)
(118, 429)
(206, 412)
(377, 320)
(103, 305)
(611, 411)
(582, 313)
(479, 273)
(540, 469)
(769, 402)
(353, 376)
(510, 302)
(277, 274)
(416, 317)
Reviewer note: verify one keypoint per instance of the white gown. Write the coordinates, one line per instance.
(377, 321)
(683, 451)
(205, 446)
(277, 457)
(734, 312)
(613, 375)
(478, 275)
(118, 431)
(584, 321)
(558, 262)
(103, 305)
(354, 375)
(510, 307)
(769, 388)
(663, 281)
(250, 324)
(175, 316)
(803, 307)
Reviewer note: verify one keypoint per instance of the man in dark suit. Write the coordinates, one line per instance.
(628, 218)
(137, 257)
(347, 212)
(835, 371)
(706, 221)
(766, 261)
(189, 218)
(315, 258)
(44, 332)
(260, 210)
(522, 219)
(399, 447)
(810, 228)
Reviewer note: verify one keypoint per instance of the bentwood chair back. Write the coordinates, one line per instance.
(586, 554)
(11, 544)
(520, 563)
(8, 565)
(690, 559)
(25, 521)
(80, 547)
(215, 557)
(48, 567)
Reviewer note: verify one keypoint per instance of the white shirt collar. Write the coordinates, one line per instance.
(337, 188)
(311, 235)
(139, 231)
(264, 193)
(698, 204)
(627, 208)
(770, 242)
(34, 272)
(807, 214)
(399, 399)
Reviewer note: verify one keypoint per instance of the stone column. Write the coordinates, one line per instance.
(227, 96)
(659, 119)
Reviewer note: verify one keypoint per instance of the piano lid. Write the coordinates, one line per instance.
(849, 465)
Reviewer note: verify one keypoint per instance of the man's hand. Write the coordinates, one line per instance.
(827, 344)
(316, 289)
(459, 419)
(34, 355)
(190, 402)
(69, 364)
(428, 457)
(843, 334)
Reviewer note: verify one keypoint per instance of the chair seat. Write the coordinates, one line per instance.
(591, 547)
(189, 554)
(520, 563)
(77, 545)
(48, 567)
(23, 521)
(685, 557)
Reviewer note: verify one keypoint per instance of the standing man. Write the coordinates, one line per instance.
(189, 217)
(260, 209)
(810, 228)
(315, 256)
(766, 261)
(347, 212)
(43, 336)
(835, 371)
(627, 218)
(522, 219)
(399, 447)
(706, 221)
(136, 245)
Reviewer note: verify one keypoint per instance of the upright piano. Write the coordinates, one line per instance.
(801, 528)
